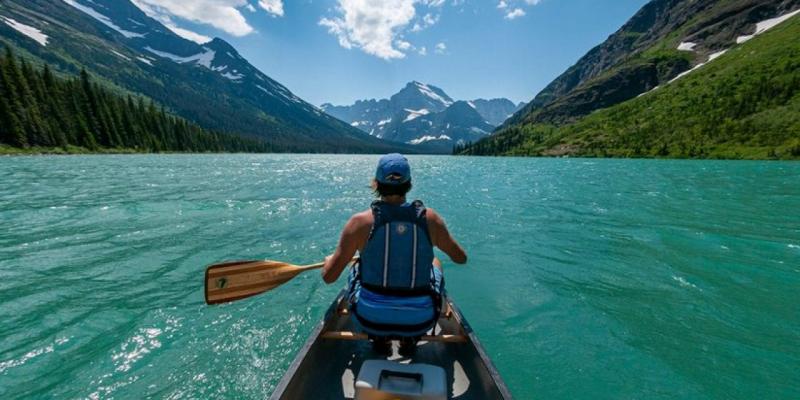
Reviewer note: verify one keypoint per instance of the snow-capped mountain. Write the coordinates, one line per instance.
(422, 113)
(210, 83)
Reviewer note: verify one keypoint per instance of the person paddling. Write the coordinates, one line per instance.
(395, 291)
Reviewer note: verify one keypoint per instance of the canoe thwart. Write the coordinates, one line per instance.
(348, 335)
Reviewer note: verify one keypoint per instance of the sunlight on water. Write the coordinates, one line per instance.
(587, 278)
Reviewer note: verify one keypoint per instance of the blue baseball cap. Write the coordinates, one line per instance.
(393, 169)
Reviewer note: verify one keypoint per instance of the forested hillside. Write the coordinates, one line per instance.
(209, 84)
(39, 109)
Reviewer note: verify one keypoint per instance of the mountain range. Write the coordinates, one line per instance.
(210, 84)
(682, 78)
(424, 115)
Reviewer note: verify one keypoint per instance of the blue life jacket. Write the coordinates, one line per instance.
(395, 290)
(398, 256)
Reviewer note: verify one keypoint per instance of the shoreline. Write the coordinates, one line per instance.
(8, 151)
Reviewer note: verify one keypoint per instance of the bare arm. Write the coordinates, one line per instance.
(354, 235)
(442, 239)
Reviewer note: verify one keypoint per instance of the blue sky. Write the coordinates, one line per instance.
(339, 51)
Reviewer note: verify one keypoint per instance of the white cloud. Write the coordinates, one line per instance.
(403, 45)
(371, 25)
(274, 7)
(187, 34)
(511, 8)
(427, 21)
(221, 14)
(515, 13)
(375, 26)
(430, 19)
(441, 48)
(423, 51)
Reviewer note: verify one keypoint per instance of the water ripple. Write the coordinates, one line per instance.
(639, 279)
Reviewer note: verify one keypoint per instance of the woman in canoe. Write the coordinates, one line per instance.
(395, 292)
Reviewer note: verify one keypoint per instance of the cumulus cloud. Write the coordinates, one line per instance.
(512, 9)
(515, 13)
(403, 45)
(441, 48)
(275, 7)
(221, 14)
(371, 25)
(376, 26)
(187, 34)
(427, 21)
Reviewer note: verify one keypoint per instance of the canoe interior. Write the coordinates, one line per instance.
(327, 368)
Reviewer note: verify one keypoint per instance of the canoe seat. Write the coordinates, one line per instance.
(447, 312)
(384, 380)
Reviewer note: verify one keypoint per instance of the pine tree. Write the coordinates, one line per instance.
(38, 108)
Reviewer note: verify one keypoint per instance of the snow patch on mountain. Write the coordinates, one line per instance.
(384, 121)
(144, 60)
(766, 25)
(427, 91)
(27, 30)
(205, 59)
(233, 76)
(414, 114)
(687, 46)
(263, 89)
(102, 18)
(288, 95)
(120, 55)
(698, 66)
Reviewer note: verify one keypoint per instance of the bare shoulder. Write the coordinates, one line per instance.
(362, 217)
(360, 221)
(433, 216)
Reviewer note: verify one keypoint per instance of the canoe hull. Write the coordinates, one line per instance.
(326, 368)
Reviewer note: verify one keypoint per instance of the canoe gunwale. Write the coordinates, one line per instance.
(298, 360)
(487, 362)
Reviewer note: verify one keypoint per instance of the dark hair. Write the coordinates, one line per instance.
(382, 189)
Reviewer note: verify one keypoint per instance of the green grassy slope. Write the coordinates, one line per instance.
(745, 104)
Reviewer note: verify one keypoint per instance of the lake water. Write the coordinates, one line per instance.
(588, 279)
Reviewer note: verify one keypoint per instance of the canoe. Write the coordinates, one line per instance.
(329, 363)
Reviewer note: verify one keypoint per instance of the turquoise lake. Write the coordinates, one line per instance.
(587, 279)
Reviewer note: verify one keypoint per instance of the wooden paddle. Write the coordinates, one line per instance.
(237, 280)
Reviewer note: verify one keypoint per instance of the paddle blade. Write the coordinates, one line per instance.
(239, 279)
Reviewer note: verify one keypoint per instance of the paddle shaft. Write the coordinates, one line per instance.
(237, 280)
